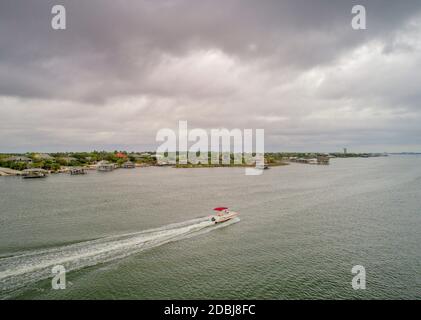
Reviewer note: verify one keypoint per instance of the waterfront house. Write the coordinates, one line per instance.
(44, 156)
(68, 159)
(135, 156)
(121, 155)
(312, 161)
(323, 160)
(105, 166)
(128, 165)
(145, 155)
(19, 159)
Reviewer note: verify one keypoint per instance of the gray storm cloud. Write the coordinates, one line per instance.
(124, 69)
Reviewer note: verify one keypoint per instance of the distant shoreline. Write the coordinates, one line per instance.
(15, 164)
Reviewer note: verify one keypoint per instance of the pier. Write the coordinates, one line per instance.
(77, 171)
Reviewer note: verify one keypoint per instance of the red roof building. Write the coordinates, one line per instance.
(121, 155)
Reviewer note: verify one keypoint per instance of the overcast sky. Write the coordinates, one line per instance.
(124, 69)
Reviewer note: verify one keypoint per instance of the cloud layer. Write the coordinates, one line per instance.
(124, 69)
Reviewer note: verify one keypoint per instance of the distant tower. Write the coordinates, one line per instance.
(345, 151)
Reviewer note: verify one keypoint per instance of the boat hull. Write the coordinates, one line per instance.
(221, 218)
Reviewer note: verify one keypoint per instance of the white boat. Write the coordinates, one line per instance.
(223, 214)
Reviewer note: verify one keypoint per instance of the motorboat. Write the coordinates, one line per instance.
(223, 214)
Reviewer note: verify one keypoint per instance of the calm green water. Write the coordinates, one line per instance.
(302, 229)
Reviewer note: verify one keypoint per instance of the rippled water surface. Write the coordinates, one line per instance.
(144, 233)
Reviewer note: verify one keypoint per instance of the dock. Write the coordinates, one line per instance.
(77, 171)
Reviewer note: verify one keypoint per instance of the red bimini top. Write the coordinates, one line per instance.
(220, 209)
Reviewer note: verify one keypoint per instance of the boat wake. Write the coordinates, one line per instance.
(29, 267)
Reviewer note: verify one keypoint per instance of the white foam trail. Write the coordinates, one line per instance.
(29, 267)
